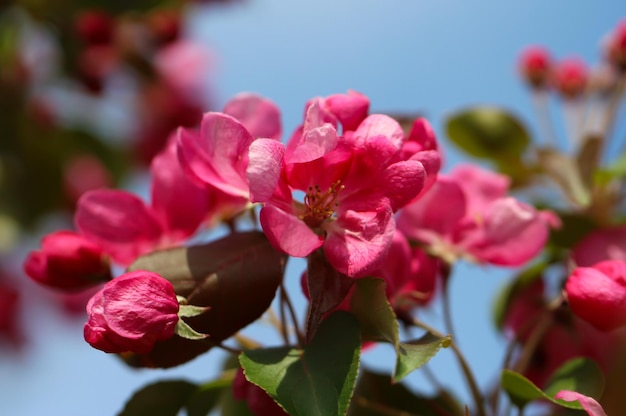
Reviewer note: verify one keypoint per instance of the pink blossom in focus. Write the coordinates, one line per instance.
(67, 261)
(352, 184)
(258, 401)
(599, 245)
(480, 222)
(591, 406)
(597, 294)
(131, 313)
(535, 65)
(570, 78)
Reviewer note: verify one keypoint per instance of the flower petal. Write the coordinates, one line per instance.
(259, 115)
(264, 169)
(591, 406)
(288, 233)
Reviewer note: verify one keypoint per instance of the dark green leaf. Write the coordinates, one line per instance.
(318, 380)
(183, 330)
(206, 396)
(412, 355)
(375, 395)
(488, 133)
(581, 375)
(240, 269)
(164, 398)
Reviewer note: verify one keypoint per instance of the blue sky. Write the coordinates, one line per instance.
(433, 57)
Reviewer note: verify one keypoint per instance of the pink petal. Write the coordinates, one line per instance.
(264, 169)
(591, 406)
(351, 109)
(379, 125)
(219, 154)
(512, 234)
(357, 243)
(402, 182)
(316, 138)
(259, 115)
(481, 186)
(598, 294)
(180, 204)
(424, 219)
(288, 233)
(601, 244)
(119, 222)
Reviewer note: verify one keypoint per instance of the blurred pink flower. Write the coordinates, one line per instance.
(597, 294)
(68, 261)
(131, 313)
(258, 401)
(600, 244)
(535, 66)
(570, 78)
(591, 406)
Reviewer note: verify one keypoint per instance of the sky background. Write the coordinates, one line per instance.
(432, 57)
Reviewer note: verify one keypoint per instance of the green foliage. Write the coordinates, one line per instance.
(379, 324)
(376, 395)
(317, 380)
(580, 374)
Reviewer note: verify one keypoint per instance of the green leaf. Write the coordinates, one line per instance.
(318, 380)
(327, 289)
(565, 173)
(183, 330)
(375, 395)
(488, 133)
(240, 269)
(206, 396)
(164, 398)
(188, 311)
(414, 354)
(379, 324)
(580, 374)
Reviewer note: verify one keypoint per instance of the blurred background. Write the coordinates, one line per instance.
(89, 91)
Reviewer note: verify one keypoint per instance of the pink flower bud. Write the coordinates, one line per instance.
(535, 65)
(68, 261)
(259, 402)
(616, 47)
(95, 27)
(570, 78)
(597, 294)
(131, 313)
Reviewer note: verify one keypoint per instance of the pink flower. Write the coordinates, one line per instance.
(67, 261)
(535, 66)
(591, 406)
(570, 78)
(353, 184)
(616, 46)
(125, 227)
(479, 223)
(599, 245)
(259, 402)
(131, 313)
(597, 294)
(9, 308)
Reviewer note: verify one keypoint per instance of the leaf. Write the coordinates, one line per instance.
(164, 398)
(414, 354)
(240, 269)
(565, 173)
(327, 289)
(375, 395)
(207, 395)
(588, 157)
(183, 330)
(318, 380)
(378, 323)
(580, 374)
(488, 133)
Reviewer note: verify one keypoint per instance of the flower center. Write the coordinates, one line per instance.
(320, 206)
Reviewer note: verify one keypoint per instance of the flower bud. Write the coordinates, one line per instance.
(597, 294)
(131, 313)
(570, 78)
(67, 261)
(616, 47)
(535, 65)
(95, 27)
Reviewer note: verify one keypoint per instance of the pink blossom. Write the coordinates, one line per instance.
(597, 294)
(67, 261)
(535, 65)
(9, 309)
(126, 227)
(352, 184)
(616, 46)
(591, 406)
(131, 313)
(570, 78)
(600, 244)
(480, 222)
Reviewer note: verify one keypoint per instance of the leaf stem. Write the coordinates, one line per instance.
(467, 371)
(447, 308)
